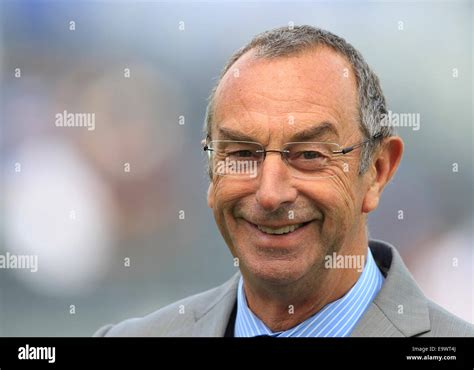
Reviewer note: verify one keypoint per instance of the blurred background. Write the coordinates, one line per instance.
(117, 215)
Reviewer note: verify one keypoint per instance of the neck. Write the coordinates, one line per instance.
(283, 307)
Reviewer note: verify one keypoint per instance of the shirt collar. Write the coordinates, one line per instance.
(336, 319)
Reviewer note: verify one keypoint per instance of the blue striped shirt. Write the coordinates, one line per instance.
(336, 319)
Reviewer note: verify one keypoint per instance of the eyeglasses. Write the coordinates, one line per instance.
(243, 159)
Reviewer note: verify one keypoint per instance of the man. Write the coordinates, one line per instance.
(299, 154)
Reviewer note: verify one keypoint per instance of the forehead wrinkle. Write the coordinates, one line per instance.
(260, 102)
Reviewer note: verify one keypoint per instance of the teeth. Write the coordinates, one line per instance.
(279, 231)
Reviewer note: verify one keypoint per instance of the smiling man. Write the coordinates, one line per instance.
(298, 157)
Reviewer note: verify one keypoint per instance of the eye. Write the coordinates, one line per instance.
(241, 154)
(308, 155)
(311, 154)
(308, 160)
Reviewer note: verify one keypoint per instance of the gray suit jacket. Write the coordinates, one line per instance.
(399, 310)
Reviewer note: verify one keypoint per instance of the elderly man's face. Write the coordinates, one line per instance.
(270, 101)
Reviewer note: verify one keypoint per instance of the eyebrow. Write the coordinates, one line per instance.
(313, 132)
(231, 134)
(307, 134)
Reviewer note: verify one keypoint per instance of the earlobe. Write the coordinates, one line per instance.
(371, 200)
(210, 195)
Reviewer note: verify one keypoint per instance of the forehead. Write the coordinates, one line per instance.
(314, 86)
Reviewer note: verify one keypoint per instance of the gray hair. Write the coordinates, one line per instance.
(286, 41)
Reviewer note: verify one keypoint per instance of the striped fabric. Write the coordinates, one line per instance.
(337, 319)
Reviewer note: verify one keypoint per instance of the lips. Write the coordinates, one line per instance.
(280, 235)
(279, 230)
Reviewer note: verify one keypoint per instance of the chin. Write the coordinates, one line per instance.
(276, 272)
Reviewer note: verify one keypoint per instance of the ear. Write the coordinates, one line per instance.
(383, 167)
(210, 195)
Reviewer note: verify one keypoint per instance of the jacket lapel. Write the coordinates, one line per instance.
(400, 308)
(211, 318)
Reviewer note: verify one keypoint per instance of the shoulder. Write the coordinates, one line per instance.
(421, 316)
(163, 322)
(445, 324)
(174, 320)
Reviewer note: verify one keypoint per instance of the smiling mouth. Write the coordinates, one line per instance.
(282, 230)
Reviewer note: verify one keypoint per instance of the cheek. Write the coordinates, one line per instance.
(226, 194)
(342, 186)
(227, 191)
(337, 204)
(343, 193)
(336, 199)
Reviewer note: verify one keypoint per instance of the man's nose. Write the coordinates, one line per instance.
(275, 185)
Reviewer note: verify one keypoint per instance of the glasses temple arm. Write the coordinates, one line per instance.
(351, 148)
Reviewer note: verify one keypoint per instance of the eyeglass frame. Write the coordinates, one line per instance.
(343, 151)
